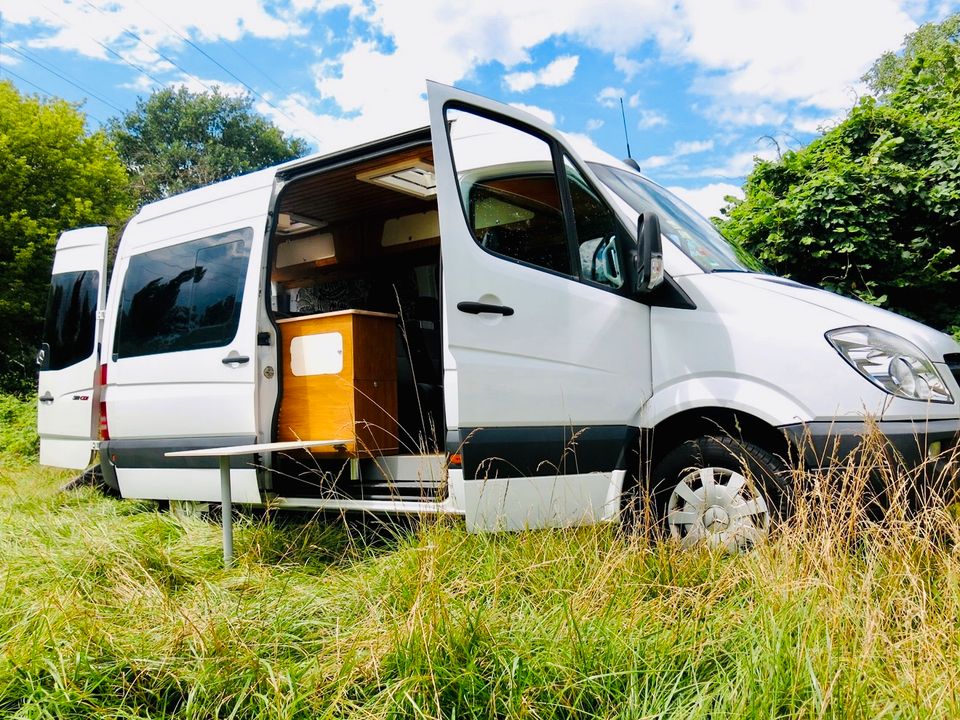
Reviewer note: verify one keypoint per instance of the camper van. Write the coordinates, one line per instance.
(474, 319)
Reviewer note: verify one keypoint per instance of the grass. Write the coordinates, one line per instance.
(113, 609)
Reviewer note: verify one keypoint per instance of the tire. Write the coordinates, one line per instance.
(720, 492)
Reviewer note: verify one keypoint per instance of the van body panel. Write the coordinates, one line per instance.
(543, 502)
(751, 344)
(68, 385)
(181, 409)
(565, 353)
(192, 387)
(753, 396)
(187, 484)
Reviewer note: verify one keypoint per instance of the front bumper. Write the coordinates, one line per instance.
(933, 445)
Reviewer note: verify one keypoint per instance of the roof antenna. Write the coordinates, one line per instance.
(629, 161)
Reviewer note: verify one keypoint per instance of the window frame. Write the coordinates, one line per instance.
(244, 235)
(557, 155)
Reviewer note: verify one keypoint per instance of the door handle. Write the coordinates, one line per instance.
(475, 308)
(235, 359)
(47, 397)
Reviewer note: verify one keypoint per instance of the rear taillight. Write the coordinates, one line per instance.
(104, 430)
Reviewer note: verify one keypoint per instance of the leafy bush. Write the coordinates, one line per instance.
(18, 427)
(54, 176)
(871, 208)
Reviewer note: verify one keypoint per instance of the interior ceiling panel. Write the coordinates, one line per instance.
(338, 195)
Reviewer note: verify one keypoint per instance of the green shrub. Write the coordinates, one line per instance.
(18, 427)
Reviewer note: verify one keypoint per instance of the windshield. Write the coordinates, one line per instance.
(693, 234)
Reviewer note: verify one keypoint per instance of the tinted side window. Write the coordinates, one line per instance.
(183, 297)
(71, 318)
(597, 231)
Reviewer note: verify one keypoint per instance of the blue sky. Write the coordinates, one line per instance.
(707, 84)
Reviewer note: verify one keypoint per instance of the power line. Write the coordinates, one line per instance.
(243, 57)
(231, 74)
(105, 47)
(50, 69)
(46, 92)
(139, 39)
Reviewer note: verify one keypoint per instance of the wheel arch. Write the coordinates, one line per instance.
(717, 422)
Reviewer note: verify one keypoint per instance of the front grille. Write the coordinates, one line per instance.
(953, 362)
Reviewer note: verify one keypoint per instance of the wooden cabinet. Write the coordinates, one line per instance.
(340, 381)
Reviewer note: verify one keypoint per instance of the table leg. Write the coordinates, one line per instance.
(226, 511)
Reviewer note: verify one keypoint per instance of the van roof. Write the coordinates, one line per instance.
(261, 178)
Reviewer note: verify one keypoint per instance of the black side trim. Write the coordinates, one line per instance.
(827, 443)
(108, 470)
(543, 451)
(953, 363)
(141, 453)
(668, 294)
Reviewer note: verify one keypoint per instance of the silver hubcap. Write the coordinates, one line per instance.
(719, 508)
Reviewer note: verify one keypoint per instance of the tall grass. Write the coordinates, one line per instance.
(18, 435)
(113, 609)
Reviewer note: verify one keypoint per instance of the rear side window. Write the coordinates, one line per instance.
(71, 319)
(183, 297)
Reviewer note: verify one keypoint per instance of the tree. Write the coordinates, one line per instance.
(177, 140)
(871, 208)
(53, 176)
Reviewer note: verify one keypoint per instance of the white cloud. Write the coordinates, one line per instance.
(707, 200)
(808, 124)
(7, 59)
(753, 114)
(651, 119)
(87, 27)
(739, 165)
(609, 97)
(594, 124)
(691, 147)
(753, 57)
(629, 67)
(447, 40)
(559, 72)
(546, 115)
(804, 50)
(680, 149)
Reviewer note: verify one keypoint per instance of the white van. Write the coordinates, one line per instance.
(492, 315)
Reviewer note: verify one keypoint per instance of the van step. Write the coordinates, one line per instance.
(387, 506)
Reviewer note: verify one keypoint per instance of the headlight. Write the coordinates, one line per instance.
(891, 363)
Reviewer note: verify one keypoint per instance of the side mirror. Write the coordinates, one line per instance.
(649, 253)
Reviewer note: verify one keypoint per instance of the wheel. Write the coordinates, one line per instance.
(719, 492)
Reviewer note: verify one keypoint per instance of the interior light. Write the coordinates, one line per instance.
(289, 223)
(413, 177)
